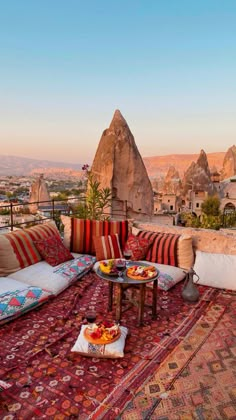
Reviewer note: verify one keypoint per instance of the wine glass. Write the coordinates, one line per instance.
(120, 266)
(90, 317)
(127, 255)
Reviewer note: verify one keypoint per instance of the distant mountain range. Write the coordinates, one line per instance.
(156, 165)
(15, 165)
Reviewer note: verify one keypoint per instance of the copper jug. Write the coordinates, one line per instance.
(190, 292)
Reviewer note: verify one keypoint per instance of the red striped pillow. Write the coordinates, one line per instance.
(107, 247)
(163, 249)
(17, 249)
(79, 233)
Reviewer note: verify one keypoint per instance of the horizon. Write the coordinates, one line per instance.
(66, 68)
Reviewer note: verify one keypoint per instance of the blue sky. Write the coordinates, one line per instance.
(66, 66)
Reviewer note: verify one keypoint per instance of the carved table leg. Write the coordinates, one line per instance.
(119, 302)
(110, 296)
(154, 300)
(142, 289)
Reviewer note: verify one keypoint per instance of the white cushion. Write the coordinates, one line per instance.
(112, 350)
(43, 275)
(168, 276)
(7, 284)
(216, 270)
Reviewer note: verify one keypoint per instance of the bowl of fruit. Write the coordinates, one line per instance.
(109, 267)
(105, 332)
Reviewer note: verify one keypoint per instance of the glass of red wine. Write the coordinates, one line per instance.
(127, 255)
(120, 266)
(90, 317)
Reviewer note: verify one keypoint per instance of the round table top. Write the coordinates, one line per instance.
(125, 279)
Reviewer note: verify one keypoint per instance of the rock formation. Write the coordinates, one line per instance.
(229, 163)
(39, 192)
(118, 165)
(198, 176)
(172, 183)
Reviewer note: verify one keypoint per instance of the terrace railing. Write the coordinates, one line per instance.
(19, 215)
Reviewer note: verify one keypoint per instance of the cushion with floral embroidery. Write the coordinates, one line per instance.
(138, 247)
(53, 251)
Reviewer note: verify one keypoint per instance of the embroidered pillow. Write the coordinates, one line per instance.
(53, 251)
(138, 247)
(112, 350)
(107, 247)
(14, 303)
(79, 233)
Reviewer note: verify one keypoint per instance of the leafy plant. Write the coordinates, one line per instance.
(97, 199)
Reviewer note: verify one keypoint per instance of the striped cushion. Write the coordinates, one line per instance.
(79, 233)
(163, 249)
(17, 249)
(107, 247)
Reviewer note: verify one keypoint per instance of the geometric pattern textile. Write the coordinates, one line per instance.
(16, 302)
(76, 267)
(49, 381)
(198, 379)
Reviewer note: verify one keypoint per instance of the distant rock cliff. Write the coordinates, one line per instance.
(229, 163)
(172, 183)
(119, 166)
(198, 176)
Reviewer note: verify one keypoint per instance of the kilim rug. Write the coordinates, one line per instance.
(49, 381)
(198, 379)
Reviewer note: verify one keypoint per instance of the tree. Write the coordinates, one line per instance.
(211, 206)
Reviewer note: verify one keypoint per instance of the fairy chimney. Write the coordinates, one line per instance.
(39, 192)
(118, 165)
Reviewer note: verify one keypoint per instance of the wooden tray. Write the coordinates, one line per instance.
(100, 340)
(131, 276)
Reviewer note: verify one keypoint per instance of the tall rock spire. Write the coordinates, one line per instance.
(118, 165)
(229, 163)
(198, 176)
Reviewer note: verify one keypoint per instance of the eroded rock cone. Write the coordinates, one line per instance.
(198, 176)
(229, 163)
(119, 166)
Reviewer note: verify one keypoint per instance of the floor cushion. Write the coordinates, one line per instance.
(8, 284)
(15, 303)
(55, 279)
(168, 277)
(112, 350)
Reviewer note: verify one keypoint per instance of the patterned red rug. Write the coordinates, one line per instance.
(49, 381)
(198, 379)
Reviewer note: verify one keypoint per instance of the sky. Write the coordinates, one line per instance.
(169, 66)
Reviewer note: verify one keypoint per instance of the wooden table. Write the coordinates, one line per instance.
(127, 283)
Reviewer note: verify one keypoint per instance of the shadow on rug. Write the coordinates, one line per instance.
(49, 381)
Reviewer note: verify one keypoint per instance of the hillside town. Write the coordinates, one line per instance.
(143, 196)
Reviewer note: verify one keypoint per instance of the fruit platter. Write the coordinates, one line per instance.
(109, 267)
(140, 272)
(102, 333)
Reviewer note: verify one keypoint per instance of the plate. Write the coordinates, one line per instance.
(100, 340)
(136, 272)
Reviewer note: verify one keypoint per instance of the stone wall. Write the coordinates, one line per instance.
(220, 242)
